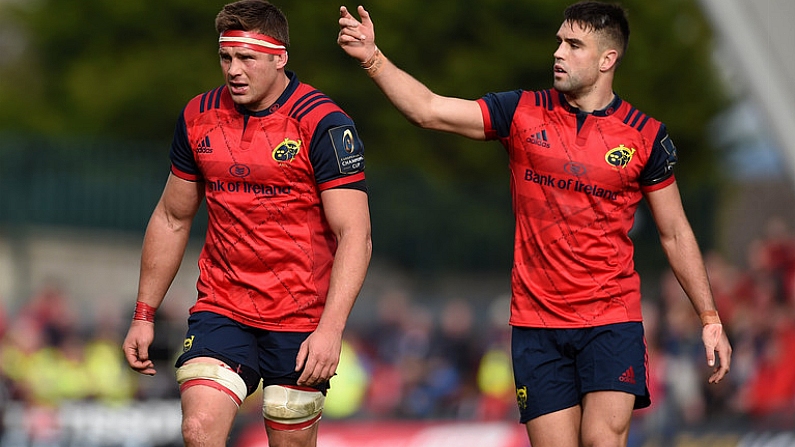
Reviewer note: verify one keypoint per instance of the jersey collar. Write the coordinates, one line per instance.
(609, 110)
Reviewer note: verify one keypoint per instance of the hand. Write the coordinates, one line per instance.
(136, 347)
(715, 340)
(356, 38)
(318, 356)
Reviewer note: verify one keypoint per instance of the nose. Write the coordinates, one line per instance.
(558, 54)
(235, 67)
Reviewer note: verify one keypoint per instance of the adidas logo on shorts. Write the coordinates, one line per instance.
(628, 376)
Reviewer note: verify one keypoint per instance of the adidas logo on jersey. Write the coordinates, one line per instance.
(204, 146)
(628, 376)
(539, 139)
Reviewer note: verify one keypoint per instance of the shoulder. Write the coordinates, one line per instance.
(638, 120)
(210, 100)
(502, 99)
(310, 105)
(546, 99)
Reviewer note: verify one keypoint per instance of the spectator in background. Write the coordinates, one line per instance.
(51, 310)
(765, 323)
(494, 373)
(770, 391)
(453, 357)
(380, 347)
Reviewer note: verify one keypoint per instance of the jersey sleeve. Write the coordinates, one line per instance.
(337, 153)
(498, 110)
(183, 165)
(659, 171)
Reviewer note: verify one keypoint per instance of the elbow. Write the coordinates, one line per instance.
(365, 243)
(427, 121)
(170, 222)
(425, 113)
(417, 118)
(358, 243)
(369, 248)
(669, 245)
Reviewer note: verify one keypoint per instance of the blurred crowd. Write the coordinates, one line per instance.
(415, 359)
(756, 302)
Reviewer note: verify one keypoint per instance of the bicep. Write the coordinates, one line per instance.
(666, 208)
(456, 115)
(347, 211)
(180, 199)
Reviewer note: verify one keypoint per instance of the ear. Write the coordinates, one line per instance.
(281, 60)
(609, 60)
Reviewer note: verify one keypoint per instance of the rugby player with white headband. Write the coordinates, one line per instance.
(281, 169)
(253, 41)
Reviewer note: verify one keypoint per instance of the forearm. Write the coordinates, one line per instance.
(161, 256)
(410, 96)
(347, 277)
(421, 106)
(687, 264)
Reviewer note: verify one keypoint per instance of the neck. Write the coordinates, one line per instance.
(596, 97)
(274, 93)
(590, 103)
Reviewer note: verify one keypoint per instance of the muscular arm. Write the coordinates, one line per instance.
(414, 100)
(348, 214)
(167, 237)
(164, 246)
(681, 248)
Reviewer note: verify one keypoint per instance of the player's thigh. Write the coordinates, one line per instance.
(287, 406)
(227, 352)
(557, 429)
(545, 372)
(606, 418)
(293, 438)
(207, 413)
(278, 352)
(614, 358)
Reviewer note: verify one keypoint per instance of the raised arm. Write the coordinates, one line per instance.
(413, 99)
(681, 248)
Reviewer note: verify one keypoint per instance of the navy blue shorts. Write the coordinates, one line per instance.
(555, 368)
(257, 354)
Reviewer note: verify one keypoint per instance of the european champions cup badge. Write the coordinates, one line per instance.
(350, 155)
(347, 141)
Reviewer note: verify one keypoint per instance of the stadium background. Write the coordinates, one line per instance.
(88, 96)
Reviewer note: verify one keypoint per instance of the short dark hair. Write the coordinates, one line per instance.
(608, 19)
(254, 15)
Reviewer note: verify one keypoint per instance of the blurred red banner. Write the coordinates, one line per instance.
(404, 434)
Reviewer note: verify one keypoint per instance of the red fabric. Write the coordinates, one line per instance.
(211, 384)
(772, 389)
(575, 187)
(267, 257)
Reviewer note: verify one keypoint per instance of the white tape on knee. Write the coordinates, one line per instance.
(291, 407)
(217, 373)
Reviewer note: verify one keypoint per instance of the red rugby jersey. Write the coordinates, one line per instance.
(268, 251)
(576, 181)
